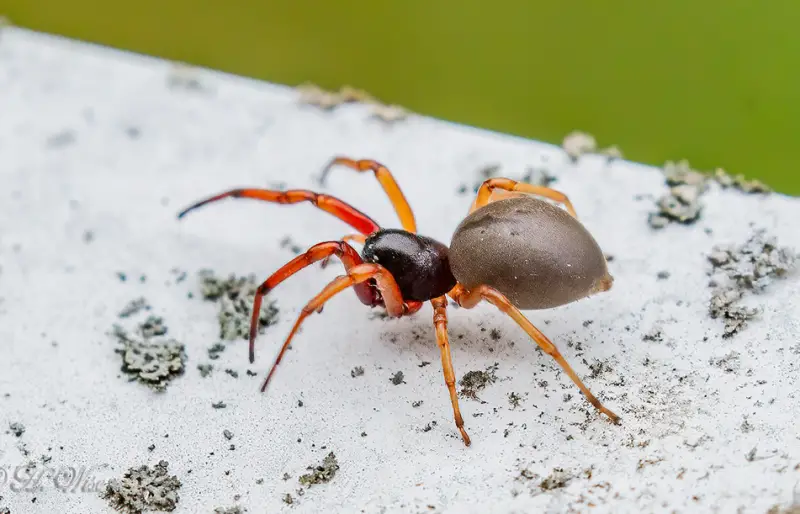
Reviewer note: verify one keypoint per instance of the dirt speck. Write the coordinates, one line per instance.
(205, 369)
(656, 334)
(474, 381)
(219, 405)
(397, 378)
(321, 473)
(728, 363)
(288, 242)
(228, 434)
(287, 499)
(17, 429)
(61, 139)
(559, 478)
(794, 508)
(514, 400)
(144, 489)
(357, 371)
(215, 350)
(538, 177)
(134, 307)
(599, 368)
(153, 326)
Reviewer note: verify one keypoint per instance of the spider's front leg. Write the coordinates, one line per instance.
(440, 321)
(389, 291)
(319, 252)
(387, 182)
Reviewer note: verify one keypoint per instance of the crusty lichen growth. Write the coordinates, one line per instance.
(751, 186)
(736, 270)
(311, 94)
(235, 296)
(682, 202)
(322, 473)
(153, 362)
(144, 489)
(578, 143)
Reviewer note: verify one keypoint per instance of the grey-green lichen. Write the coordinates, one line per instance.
(738, 269)
(152, 362)
(682, 201)
(751, 186)
(144, 489)
(235, 296)
(321, 473)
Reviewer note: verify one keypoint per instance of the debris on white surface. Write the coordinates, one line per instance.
(235, 296)
(739, 181)
(311, 94)
(579, 143)
(612, 152)
(751, 266)
(682, 202)
(144, 489)
(97, 142)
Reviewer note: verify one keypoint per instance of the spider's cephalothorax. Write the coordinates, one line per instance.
(419, 264)
(513, 251)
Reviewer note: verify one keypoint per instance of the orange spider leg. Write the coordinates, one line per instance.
(440, 322)
(329, 204)
(469, 299)
(386, 180)
(358, 238)
(495, 189)
(390, 293)
(320, 251)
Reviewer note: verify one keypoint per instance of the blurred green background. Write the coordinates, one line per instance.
(712, 81)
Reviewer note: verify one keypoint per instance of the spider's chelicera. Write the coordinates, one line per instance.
(513, 250)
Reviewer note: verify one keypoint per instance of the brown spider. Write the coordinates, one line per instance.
(512, 250)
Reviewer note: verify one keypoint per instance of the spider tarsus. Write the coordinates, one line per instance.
(324, 175)
(467, 441)
(613, 417)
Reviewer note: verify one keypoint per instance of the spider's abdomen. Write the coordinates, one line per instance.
(420, 265)
(536, 254)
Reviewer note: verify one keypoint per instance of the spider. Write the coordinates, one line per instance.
(513, 250)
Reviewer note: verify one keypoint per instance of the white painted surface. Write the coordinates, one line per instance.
(680, 448)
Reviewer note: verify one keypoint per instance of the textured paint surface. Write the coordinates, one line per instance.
(99, 151)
